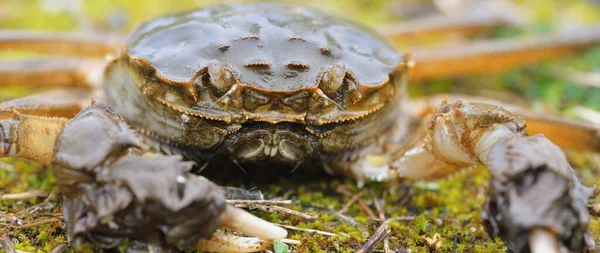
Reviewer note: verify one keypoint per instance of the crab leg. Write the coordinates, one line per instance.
(566, 133)
(30, 137)
(50, 72)
(496, 56)
(63, 43)
(54, 103)
(468, 20)
(29, 126)
(533, 186)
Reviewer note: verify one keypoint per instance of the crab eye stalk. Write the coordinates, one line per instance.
(333, 79)
(220, 78)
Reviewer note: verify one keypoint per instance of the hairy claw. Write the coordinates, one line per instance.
(522, 168)
(112, 194)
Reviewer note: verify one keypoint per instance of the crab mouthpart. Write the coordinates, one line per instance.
(270, 144)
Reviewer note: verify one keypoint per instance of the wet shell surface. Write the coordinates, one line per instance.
(272, 47)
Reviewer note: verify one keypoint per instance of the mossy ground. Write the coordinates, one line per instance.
(449, 207)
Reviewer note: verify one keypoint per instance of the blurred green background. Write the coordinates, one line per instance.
(449, 207)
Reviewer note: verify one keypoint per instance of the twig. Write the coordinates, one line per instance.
(51, 195)
(262, 202)
(380, 234)
(277, 209)
(37, 223)
(24, 195)
(454, 243)
(366, 209)
(363, 206)
(44, 204)
(380, 206)
(377, 204)
(305, 230)
(343, 217)
(351, 202)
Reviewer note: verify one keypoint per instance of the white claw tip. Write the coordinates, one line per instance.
(222, 242)
(542, 241)
(243, 222)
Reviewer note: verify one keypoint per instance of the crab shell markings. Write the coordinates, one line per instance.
(258, 82)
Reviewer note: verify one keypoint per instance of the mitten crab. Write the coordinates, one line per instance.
(269, 84)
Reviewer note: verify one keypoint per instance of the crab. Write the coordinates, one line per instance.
(264, 84)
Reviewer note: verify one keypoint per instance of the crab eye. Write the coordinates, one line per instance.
(219, 78)
(333, 79)
(253, 99)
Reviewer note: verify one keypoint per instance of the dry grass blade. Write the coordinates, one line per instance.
(24, 195)
(290, 241)
(38, 223)
(379, 205)
(402, 218)
(343, 217)
(277, 209)
(259, 202)
(363, 206)
(308, 230)
(354, 198)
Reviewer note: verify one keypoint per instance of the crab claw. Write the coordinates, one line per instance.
(150, 200)
(535, 200)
